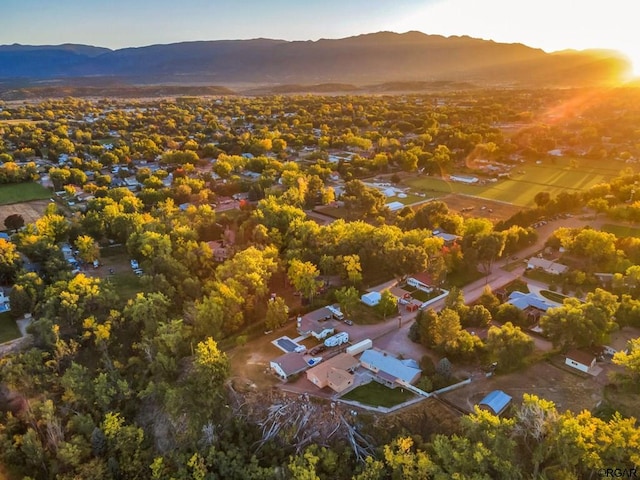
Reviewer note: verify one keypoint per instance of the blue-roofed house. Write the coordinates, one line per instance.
(531, 304)
(496, 402)
(390, 370)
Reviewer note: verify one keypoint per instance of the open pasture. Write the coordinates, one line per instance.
(527, 180)
(22, 192)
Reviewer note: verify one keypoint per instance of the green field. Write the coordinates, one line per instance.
(378, 395)
(621, 231)
(526, 181)
(8, 328)
(22, 192)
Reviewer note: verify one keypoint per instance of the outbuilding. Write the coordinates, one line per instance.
(496, 402)
(580, 360)
(371, 299)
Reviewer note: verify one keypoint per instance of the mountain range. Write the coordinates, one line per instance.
(369, 59)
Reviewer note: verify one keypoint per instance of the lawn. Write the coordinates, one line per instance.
(621, 231)
(553, 296)
(22, 192)
(378, 395)
(8, 328)
(126, 284)
(525, 182)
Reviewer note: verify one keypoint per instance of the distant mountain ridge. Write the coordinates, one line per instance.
(365, 59)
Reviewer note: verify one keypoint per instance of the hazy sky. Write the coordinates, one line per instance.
(547, 24)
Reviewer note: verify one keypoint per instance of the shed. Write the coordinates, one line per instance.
(371, 299)
(580, 360)
(496, 402)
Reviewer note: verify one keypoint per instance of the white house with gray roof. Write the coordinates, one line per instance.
(389, 369)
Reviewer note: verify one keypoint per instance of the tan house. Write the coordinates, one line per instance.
(335, 373)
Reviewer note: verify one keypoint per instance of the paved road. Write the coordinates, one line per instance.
(392, 334)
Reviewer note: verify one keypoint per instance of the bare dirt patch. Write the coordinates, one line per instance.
(566, 390)
(30, 211)
(469, 206)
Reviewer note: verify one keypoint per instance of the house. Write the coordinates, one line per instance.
(545, 265)
(496, 402)
(220, 251)
(394, 206)
(421, 281)
(580, 360)
(531, 304)
(288, 365)
(463, 179)
(319, 323)
(371, 299)
(335, 373)
(390, 370)
(448, 238)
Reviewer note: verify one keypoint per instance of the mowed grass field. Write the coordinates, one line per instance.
(527, 180)
(22, 192)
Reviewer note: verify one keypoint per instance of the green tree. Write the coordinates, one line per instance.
(10, 261)
(509, 346)
(388, 304)
(304, 276)
(348, 298)
(88, 249)
(277, 313)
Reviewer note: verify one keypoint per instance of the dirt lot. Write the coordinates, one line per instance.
(472, 207)
(30, 211)
(566, 390)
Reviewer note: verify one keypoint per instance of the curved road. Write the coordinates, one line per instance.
(392, 334)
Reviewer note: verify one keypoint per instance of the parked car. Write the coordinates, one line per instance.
(348, 322)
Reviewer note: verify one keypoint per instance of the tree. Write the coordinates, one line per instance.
(304, 277)
(14, 222)
(477, 316)
(277, 313)
(542, 198)
(489, 300)
(9, 261)
(445, 329)
(631, 359)
(348, 298)
(577, 324)
(509, 345)
(352, 268)
(388, 304)
(508, 312)
(88, 249)
(489, 248)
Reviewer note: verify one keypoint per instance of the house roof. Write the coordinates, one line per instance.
(547, 265)
(372, 296)
(341, 362)
(339, 379)
(390, 365)
(581, 357)
(497, 401)
(291, 363)
(423, 277)
(524, 300)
